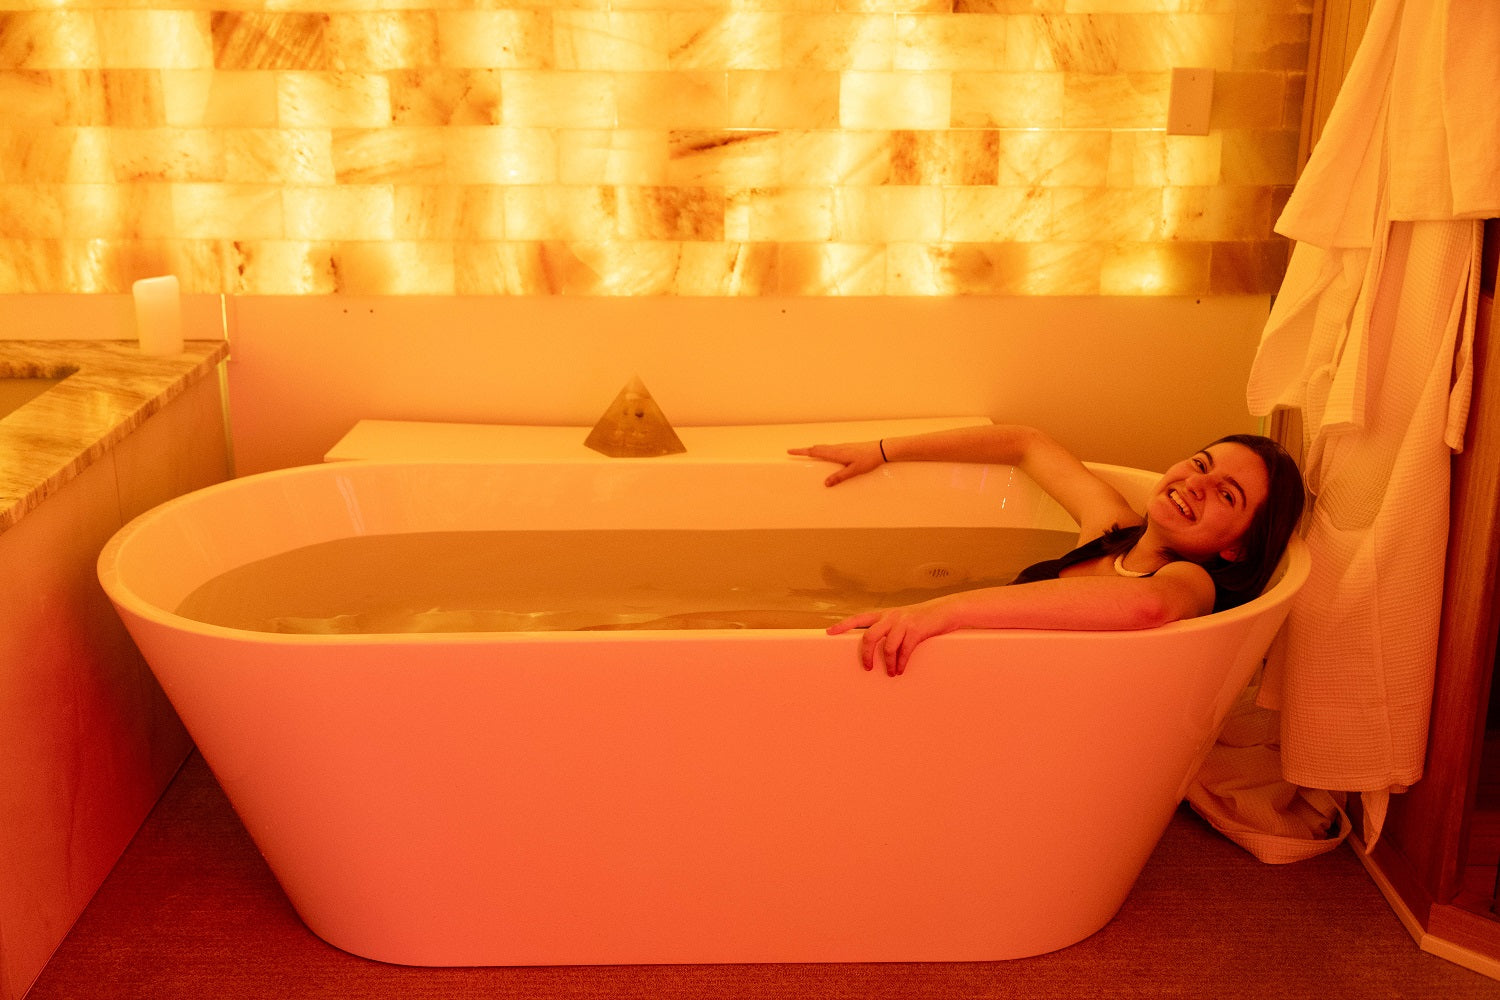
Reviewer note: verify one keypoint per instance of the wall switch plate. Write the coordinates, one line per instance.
(1192, 97)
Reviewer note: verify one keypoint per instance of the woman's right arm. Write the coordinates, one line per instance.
(1179, 590)
(1090, 501)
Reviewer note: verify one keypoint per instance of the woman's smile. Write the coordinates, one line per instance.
(1182, 505)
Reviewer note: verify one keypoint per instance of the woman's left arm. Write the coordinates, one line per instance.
(1093, 603)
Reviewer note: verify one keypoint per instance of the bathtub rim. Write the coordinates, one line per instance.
(1289, 576)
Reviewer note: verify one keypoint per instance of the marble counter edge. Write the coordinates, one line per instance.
(113, 390)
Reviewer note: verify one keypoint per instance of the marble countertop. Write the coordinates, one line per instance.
(51, 439)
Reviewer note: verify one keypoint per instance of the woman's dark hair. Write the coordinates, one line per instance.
(1239, 580)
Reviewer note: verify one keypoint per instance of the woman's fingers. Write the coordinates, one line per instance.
(891, 636)
(882, 649)
(854, 459)
(897, 650)
(862, 620)
(885, 644)
(902, 653)
(841, 474)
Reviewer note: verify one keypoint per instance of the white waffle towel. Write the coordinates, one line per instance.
(1371, 337)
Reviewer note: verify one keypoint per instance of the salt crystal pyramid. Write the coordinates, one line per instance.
(634, 427)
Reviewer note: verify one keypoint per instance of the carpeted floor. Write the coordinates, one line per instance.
(192, 912)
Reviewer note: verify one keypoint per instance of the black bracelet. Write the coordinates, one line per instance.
(882, 451)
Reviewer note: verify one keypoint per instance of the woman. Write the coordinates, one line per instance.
(1215, 526)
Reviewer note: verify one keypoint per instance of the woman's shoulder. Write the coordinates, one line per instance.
(1188, 587)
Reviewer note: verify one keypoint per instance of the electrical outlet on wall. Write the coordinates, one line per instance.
(1191, 98)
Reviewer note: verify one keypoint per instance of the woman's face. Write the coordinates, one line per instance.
(1204, 504)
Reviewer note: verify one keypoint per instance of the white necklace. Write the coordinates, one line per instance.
(1133, 574)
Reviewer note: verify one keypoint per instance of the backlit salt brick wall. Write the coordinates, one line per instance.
(645, 147)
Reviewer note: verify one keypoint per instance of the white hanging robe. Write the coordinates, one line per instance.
(1370, 336)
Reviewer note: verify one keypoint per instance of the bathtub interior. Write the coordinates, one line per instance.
(231, 524)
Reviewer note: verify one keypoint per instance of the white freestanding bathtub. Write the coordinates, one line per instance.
(653, 796)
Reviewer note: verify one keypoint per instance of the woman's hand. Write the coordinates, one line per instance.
(893, 634)
(856, 458)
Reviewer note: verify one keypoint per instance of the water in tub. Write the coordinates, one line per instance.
(588, 580)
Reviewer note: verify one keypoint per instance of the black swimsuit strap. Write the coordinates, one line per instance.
(1049, 569)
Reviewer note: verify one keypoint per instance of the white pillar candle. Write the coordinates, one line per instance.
(158, 315)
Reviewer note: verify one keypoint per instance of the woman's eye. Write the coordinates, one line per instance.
(1228, 497)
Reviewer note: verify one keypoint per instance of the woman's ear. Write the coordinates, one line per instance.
(1233, 554)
